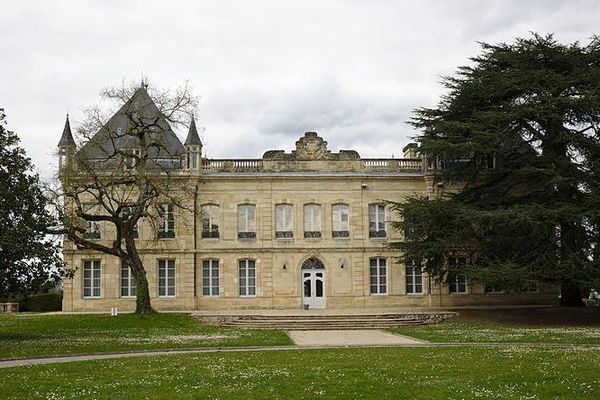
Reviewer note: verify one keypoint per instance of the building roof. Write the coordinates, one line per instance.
(67, 137)
(139, 118)
(192, 137)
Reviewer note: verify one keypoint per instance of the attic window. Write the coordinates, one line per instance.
(119, 130)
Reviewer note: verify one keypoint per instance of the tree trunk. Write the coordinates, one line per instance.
(570, 294)
(142, 299)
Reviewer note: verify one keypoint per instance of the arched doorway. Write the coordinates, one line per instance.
(313, 283)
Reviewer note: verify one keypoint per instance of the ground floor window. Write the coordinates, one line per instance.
(378, 270)
(127, 281)
(166, 278)
(92, 278)
(210, 277)
(414, 279)
(247, 278)
(457, 283)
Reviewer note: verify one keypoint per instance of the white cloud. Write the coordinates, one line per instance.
(266, 70)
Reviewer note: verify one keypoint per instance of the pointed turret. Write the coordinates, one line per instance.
(67, 137)
(192, 137)
(66, 147)
(193, 145)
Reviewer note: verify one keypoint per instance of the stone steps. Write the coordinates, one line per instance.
(298, 321)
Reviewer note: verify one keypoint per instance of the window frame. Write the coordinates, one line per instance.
(281, 210)
(246, 233)
(166, 224)
(166, 261)
(92, 264)
(413, 279)
(458, 277)
(378, 276)
(340, 233)
(211, 233)
(131, 285)
(380, 220)
(312, 233)
(211, 276)
(244, 263)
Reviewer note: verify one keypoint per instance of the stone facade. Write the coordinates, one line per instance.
(309, 175)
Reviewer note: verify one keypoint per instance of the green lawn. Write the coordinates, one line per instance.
(547, 325)
(23, 335)
(514, 372)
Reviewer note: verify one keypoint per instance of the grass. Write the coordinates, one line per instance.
(534, 325)
(514, 372)
(23, 335)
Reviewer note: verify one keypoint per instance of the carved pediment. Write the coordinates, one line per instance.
(311, 147)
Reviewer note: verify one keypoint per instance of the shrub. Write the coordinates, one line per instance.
(42, 302)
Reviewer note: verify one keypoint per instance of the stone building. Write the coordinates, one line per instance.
(305, 228)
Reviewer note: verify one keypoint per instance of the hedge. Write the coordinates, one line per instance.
(42, 302)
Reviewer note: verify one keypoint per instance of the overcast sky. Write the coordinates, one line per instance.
(266, 71)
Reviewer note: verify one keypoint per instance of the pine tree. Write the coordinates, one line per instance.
(518, 133)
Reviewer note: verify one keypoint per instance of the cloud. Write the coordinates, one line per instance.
(266, 70)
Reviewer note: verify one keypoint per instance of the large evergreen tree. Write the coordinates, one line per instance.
(29, 261)
(516, 141)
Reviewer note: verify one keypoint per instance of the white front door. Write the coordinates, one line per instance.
(313, 288)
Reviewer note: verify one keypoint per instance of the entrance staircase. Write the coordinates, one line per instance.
(329, 321)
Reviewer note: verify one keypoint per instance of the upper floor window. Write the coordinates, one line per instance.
(457, 280)
(134, 230)
(210, 221)
(284, 223)
(414, 279)
(378, 272)
(246, 221)
(312, 221)
(341, 221)
(92, 278)
(166, 222)
(92, 228)
(377, 221)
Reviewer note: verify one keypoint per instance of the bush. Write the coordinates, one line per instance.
(42, 302)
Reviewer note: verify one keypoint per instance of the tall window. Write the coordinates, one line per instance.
(246, 221)
(92, 228)
(312, 221)
(166, 223)
(126, 212)
(193, 158)
(378, 270)
(210, 277)
(92, 278)
(457, 281)
(210, 221)
(166, 278)
(247, 278)
(127, 281)
(341, 221)
(284, 223)
(414, 279)
(377, 221)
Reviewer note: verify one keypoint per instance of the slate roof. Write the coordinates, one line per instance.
(118, 132)
(192, 137)
(67, 137)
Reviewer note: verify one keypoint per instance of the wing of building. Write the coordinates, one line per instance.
(307, 228)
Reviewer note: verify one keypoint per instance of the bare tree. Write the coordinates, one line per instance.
(128, 168)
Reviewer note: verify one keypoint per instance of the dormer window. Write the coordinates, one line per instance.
(132, 158)
(193, 158)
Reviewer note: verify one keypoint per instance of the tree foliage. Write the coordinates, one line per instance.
(518, 135)
(29, 261)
